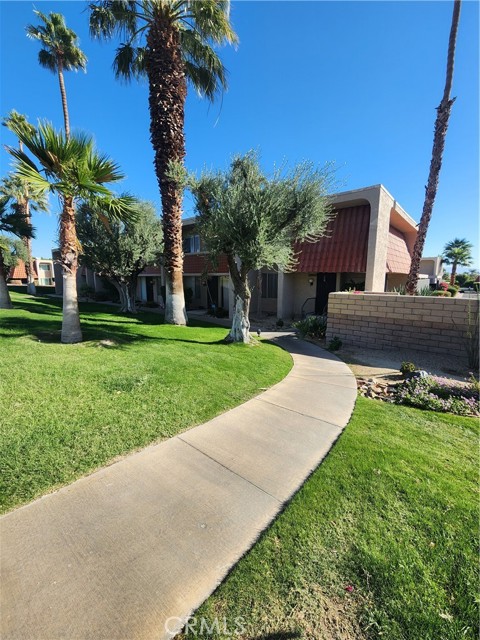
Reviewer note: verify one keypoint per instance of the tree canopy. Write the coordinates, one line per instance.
(120, 251)
(255, 219)
(458, 253)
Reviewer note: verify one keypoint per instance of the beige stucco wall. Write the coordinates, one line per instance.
(382, 321)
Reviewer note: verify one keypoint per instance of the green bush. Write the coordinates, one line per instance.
(312, 326)
(86, 291)
(407, 368)
(425, 291)
(453, 291)
(442, 294)
(334, 344)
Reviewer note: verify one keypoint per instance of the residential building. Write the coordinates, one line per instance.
(367, 246)
(43, 273)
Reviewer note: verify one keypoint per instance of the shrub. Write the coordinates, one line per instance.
(443, 286)
(279, 323)
(334, 344)
(312, 326)
(453, 291)
(442, 294)
(425, 291)
(407, 367)
(439, 394)
(86, 291)
(102, 296)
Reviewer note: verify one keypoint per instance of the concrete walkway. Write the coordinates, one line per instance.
(117, 553)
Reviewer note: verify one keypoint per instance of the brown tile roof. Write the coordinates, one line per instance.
(150, 270)
(194, 263)
(343, 249)
(19, 272)
(398, 255)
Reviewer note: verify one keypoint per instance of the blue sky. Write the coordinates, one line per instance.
(356, 83)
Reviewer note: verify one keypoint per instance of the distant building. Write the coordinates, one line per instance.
(43, 273)
(431, 269)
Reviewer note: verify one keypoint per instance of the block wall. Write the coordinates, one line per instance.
(385, 321)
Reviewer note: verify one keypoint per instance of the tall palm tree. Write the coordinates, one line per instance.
(441, 126)
(75, 171)
(13, 222)
(26, 200)
(170, 42)
(458, 252)
(60, 52)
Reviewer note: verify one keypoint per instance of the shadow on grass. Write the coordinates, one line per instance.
(107, 329)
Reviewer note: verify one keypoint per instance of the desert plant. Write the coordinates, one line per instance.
(312, 327)
(334, 344)
(438, 394)
(407, 368)
(425, 291)
(442, 294)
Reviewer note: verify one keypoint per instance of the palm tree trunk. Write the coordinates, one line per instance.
(441, 126)
(71, 331)
(29, 268)
(453, 274)
(5, 301)
(167, 94)
(63, 94)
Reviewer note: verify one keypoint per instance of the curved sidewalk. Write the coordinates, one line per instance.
(117, 553)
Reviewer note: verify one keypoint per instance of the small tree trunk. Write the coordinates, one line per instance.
(127, 297)
(71, 331)
(441, 126)
(63, 94)
(240, 331)
(5, 300)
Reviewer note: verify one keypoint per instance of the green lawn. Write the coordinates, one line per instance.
(393, 513)
(67, 409)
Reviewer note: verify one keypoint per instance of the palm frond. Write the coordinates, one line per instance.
(13, 221)
(60, 44)
(212, 20)
(129, 62)
(203, 66)
(113, 17)
(123, 208)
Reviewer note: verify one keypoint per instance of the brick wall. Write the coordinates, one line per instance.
(383, 321)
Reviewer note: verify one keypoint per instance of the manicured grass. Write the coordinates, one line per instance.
(67, 409)
(391, 513)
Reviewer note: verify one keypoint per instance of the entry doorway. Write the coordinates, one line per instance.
(326, 283)
(150, 284)
(212, 286)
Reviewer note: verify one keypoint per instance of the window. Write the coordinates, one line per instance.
(44, 267)
(269, 285)
(191, 244)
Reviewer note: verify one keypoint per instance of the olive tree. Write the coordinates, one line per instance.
(120, 251)
(254, 219)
